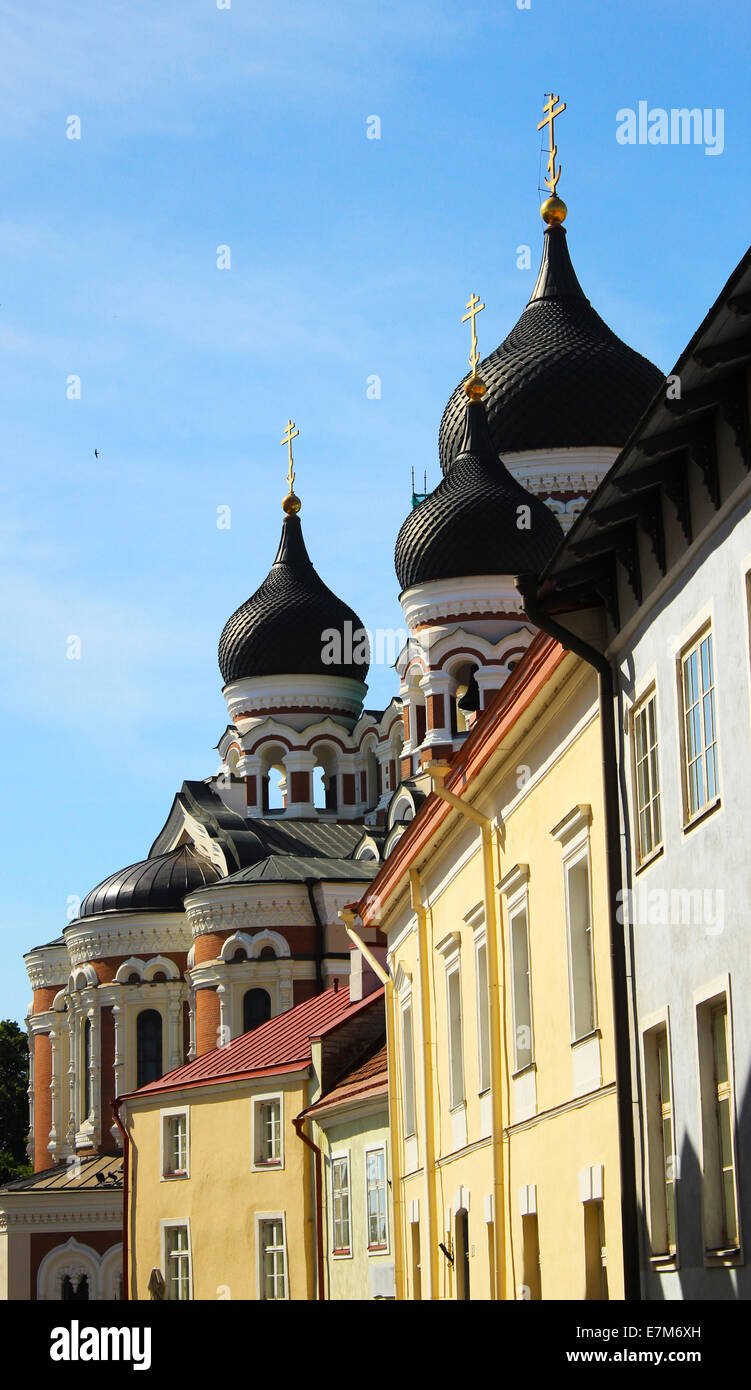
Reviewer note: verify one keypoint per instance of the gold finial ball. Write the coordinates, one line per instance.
(553, 211)
(291, 504)
(475, 388)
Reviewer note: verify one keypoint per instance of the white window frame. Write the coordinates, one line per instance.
(706, 1000)
(174, 1223)
(690, 817)
(573, 834)
(515, 888)
(476, 920)
(257, 1163)
(378, 1249)
(640, 707)
(168, 1174)
(408, 1064)
(261, 1217)
(450, 949)
(343, 1252)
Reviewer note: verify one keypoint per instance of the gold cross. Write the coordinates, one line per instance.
(291, 432)
(475, 308)
(550, 114)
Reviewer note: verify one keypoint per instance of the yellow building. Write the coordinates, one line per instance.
(224, 1192)
(494, 904)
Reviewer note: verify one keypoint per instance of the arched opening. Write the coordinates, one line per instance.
(88, 1096)
(466, 701)
(324, 777)
(256, 1009)
(158, 978)
(461, 1253)
(273, 777)
(238, 955)
(75, 1289)
(372, 788)
(268, 953)
(148, 1046)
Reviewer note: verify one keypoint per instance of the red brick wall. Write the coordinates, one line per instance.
(42, 1100)
(41, 1242)
(107, 1080)
(207, 1020)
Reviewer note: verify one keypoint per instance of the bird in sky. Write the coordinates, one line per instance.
(96, 453)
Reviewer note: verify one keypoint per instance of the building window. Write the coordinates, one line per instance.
(483, 1013)
(415, 1261)
(647, 778)
(175, 1145)
(660, 1141)
(581, 975)
(177, 1256)
(408, 1057)
(273, 1258)
(455, 1037)
(461, 1253)
(595, 1252)
(521, 990)
(267, 1132)
(375, 1181)
(720, 1197)
(341, 1204)
(256, 1009)
(699, 728)
(149, 1046)
(88, 1096)
(531, 1257)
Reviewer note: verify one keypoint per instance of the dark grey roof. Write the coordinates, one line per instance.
(295, 868)
(58, 941)
(153, 885)
(239, 843)
(278, 630)
(470, 523)
(561, 378)
(76, 1177)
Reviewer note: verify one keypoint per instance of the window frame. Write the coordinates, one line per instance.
(175, 1223)
(341, 1252)
(663, 1253)
(264, 1218)
(165, 1116)
(693, 645)
(257, 1163)
(409, 1092)
(383, 1249)
(450, 949)
(573, 860)
(718, 1250)
(482, 1005)
(643, 857)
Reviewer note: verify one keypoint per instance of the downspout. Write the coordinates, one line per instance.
(298, 1122)
(496, 1000)
(528, 586)
(309, 882)
(428, 1119)
(126, 1163)
(348, 917)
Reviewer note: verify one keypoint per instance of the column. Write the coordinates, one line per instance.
(299, 767)
(174, 1032)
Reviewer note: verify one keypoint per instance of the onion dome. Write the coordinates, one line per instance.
(561, 379)
(279, 630)
(470, 524)
(153, 885)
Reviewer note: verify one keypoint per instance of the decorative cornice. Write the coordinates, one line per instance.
(220, 913)
(98, 938)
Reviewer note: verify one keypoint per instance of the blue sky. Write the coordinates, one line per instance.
(349, 257)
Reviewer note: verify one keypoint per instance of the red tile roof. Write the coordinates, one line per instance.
(283, 1044)
(368, 1078)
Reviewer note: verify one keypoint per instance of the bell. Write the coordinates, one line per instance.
(470, 700)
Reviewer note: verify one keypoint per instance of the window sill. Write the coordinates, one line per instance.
(274, 1165)
(174, 1177)
(721, 1259)
(341, 1254)
(378, 1249)
(665, 1261)
(649, 858)
(701, 815)
(458, 1107)
(586, 1037)
(531, 1066)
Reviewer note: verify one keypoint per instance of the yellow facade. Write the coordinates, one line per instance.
(507, 1151)
(226, 1195)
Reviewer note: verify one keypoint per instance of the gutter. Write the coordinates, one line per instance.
(499, 1075)
(527, 586)
(298, 1122)
(117, 1102)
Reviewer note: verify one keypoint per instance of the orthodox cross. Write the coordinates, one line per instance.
(551, 111)
(291, 432)
(475, 308)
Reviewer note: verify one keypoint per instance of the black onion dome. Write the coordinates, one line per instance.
(279, 630)
(561, 379)
(468, 525)
(153, 885)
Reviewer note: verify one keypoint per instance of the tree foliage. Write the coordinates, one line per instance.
(14, 1101)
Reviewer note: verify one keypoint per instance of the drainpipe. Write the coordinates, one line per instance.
(126, 1159)
(497, 1003)
(428, 1117)
(298, 1122)
(348, 917)
(528, 588)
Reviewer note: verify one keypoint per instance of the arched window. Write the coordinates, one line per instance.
(149, 1046)
(256, 1009)
(88, 1099)
(74, 1293)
